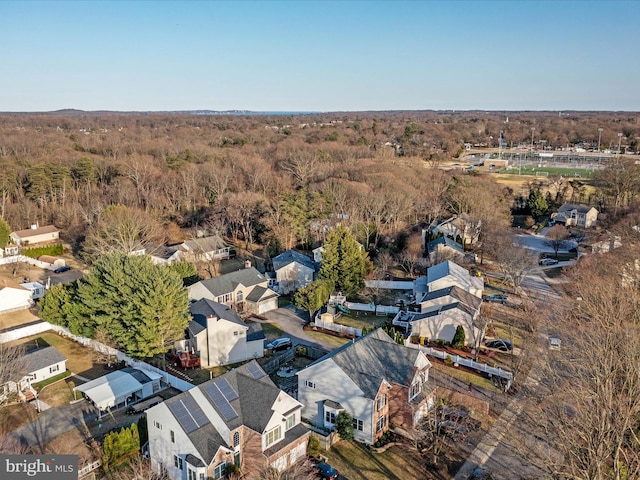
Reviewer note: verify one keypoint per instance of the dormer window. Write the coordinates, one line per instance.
(415, 389)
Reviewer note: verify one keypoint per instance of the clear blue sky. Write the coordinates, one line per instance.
(319, 56)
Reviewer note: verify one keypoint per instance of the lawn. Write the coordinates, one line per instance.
(81, 360)
(337, 341)
(356, 462)
(16, 415)
(59, 393)
(552, 171)
(477, 379)
(362, 320)
(272, 331)
(20, 317)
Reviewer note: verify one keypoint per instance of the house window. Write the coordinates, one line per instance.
(330, 417)
(55, 368)
(236, 439)
(309, 384)
(157, 424)
(220, 471)
(191, 474)
(177, 461)
(226, 298)
(173, 436)
(381, 423)
(415, 389)
(382, 401)
(236, 333)
(291, 421)
(274, 435)
(201, 476)
(239, 296)
(358, 425)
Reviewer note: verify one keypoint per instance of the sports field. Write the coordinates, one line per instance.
(547, 171)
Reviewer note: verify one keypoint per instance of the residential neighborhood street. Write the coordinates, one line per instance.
(291, 321)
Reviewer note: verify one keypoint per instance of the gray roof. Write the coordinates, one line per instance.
(229, 282)
(290, 256)
(207, 244)
(205, 308)
(259, 294)
(42, 358)
(446, 268)
(207, 441)
(444, 241)
(466, 301)
(137, 374)
(255, 398)
(375, 358)
(568, 207)
(161, 251)
(255, 332)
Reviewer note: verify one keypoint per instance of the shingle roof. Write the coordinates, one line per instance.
(372, 359)
(30, 232)
(255, 332)
(446, 268)
(568, 207)
(290, 256)
(42, 358)
(207, 441)
(466, 301)
(204, 308)
(207, 244)
(259, 294)
(444, 241)
(229, 282)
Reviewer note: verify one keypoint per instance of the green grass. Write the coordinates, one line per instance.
(337, 341)
(362, 320)
(356, 462)
(272, 330)
(553, 171)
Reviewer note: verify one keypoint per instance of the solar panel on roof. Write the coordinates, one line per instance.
(184, 419)
(226, 389)
(196, 412)
(219, 400)
(255, 371)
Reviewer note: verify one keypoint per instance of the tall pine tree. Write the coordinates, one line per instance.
(344, 261)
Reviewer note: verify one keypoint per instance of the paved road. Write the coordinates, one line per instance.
(291, 321)
(540, 244)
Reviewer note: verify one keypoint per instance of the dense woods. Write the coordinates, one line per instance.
(281, 181)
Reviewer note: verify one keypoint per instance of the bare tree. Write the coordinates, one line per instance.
(556, 237)
(12, 366)
(515, 262)
(303, 469)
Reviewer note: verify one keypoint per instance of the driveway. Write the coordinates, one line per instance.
(540, 244)
(56, 421)
(291, 321)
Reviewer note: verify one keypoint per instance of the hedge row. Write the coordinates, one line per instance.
(35, 252)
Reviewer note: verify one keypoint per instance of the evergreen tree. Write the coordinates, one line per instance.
(537, 203)
(344, 261)
(187, 271)
(312, 297)
(5, 230)
(458, 337)
(344, 425)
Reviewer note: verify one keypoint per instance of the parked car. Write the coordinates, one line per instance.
(280, 344)
(548, 261)
(327, 471)
(498, 298)
(500, 344)
(62, 269)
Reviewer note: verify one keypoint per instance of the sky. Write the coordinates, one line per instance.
(319, 55)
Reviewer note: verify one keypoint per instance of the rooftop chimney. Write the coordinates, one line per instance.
(247, 264)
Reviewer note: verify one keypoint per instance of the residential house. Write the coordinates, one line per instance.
(458, 227)
(444, 248)
(240, 417)
(14, 296)
(9, 251)
(438, 314)
(380, 383)
(219, 336)
(293, 271)
(38, 365)
(447, 274)
(35, 235)
(576, 215)
(121, 388)
(37, 289)
(245, 290)
(205, 249)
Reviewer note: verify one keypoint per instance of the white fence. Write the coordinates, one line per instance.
(29, 260)
(371, 308)
(336, 327)
(16, 333)
(389, 284)
(467, 362)
(87, 469)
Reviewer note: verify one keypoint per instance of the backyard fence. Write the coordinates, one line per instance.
(274, 364)
(372, 308)
(342, 329)
(24, 330)
(389, 284)
(87, 469)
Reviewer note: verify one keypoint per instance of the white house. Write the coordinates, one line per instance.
(120, 388)
(37, 289)
(35, 235)
(205, 249)
(245, 290)
(578, 215)
(219, 336)
(9, 251)
(377, 381)
(447, 274)
(293, 271)
(240, 417)
(14, 296)
(39, 364)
